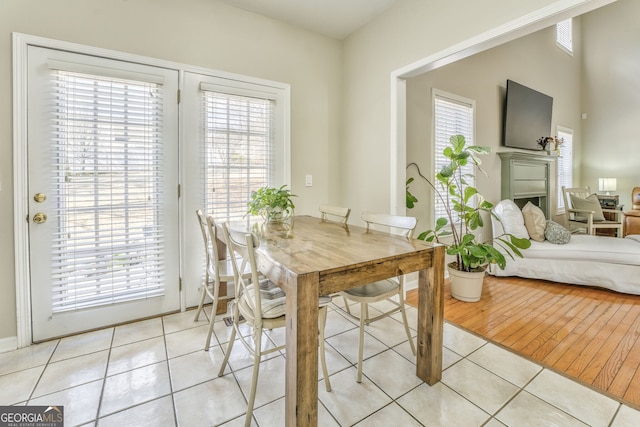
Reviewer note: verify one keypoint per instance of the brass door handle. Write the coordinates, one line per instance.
(40, 218)
(39, 197)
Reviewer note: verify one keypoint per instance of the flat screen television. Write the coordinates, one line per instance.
(527, 117)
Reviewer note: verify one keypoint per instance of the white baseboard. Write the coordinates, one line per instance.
(8, 344)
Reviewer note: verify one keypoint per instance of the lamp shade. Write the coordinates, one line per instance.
(607, 184)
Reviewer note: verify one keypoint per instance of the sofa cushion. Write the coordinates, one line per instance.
(511, 218)
(534, 221)
(591, 203)
(556, 233)
(585, 247)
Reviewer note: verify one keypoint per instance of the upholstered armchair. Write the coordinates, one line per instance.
(632, 217)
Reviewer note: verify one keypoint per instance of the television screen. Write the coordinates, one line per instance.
(527, 117)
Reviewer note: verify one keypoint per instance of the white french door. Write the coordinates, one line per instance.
(236, 141)
(103, 191)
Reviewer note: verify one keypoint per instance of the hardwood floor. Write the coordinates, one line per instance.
(589, 334)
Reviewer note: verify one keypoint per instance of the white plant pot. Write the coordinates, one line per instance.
(466, 285)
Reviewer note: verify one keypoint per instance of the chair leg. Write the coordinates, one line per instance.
(212, 320)
(232, 339)
(199, 310)
(346, 305)
(406, 326)
(323, 322)
(254, 376)
(363, 308)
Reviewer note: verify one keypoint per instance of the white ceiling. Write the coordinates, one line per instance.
(333, 18)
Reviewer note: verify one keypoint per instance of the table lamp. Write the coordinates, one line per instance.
(607, 184)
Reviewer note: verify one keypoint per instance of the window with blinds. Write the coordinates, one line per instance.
(238, 151)
(565, 165)
(564, 35)
(107, 244)
(453, 115)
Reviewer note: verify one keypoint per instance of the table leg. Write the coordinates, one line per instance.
(431, 319)
(301, 384)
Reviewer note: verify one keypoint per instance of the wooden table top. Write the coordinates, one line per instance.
(308, 244)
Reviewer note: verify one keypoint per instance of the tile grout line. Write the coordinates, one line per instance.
(104, 379)
(46, 365)
(166, 352)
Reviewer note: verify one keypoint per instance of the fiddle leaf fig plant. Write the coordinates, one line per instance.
(273, 204)
(463, 216)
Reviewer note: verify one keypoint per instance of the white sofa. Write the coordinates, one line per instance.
(586, 260)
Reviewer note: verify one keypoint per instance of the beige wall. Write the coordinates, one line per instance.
(410, 31)
(534, 61)
(612, 86)
(205, 33)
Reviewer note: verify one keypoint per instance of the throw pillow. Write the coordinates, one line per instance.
(535, 221)
(591, 203)
(511, 218)
(556, 233)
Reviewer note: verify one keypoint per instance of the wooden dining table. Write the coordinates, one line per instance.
(308, 257)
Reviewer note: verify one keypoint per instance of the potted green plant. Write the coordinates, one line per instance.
(273, 204)
(462, 218)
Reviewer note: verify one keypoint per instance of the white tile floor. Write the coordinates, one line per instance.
(155, 373)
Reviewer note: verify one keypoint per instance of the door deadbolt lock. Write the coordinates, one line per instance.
(40, 218)
(40, 197)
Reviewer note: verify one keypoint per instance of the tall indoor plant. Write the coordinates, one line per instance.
(463, 217)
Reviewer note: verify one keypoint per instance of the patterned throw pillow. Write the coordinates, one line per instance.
(556, 233)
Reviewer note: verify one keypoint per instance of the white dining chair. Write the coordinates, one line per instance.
(260, 310)
(383, 289)
(337, 213)
(217, 271)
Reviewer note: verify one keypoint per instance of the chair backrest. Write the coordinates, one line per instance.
(405, 223)
(635, 198)
(202, 222)
(335, 211)
(581, 192)
(244, 243)
(212, 230)
(206, 238)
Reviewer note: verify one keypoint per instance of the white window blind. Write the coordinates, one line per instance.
(564, 35)
(107, 244)
(565, 165)
(238, 151)
(453, 115)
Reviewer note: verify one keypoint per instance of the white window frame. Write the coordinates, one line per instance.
(20, 158)
(276, 176)
(564, 35)
(564, 166)
(438, 145)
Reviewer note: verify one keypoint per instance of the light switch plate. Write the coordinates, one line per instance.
(308, 179)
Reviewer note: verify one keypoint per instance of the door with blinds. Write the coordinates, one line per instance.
(103, 191)
(235, 143)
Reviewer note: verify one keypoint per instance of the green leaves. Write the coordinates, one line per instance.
(411, 199)
(463, 201)
(267, 199)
